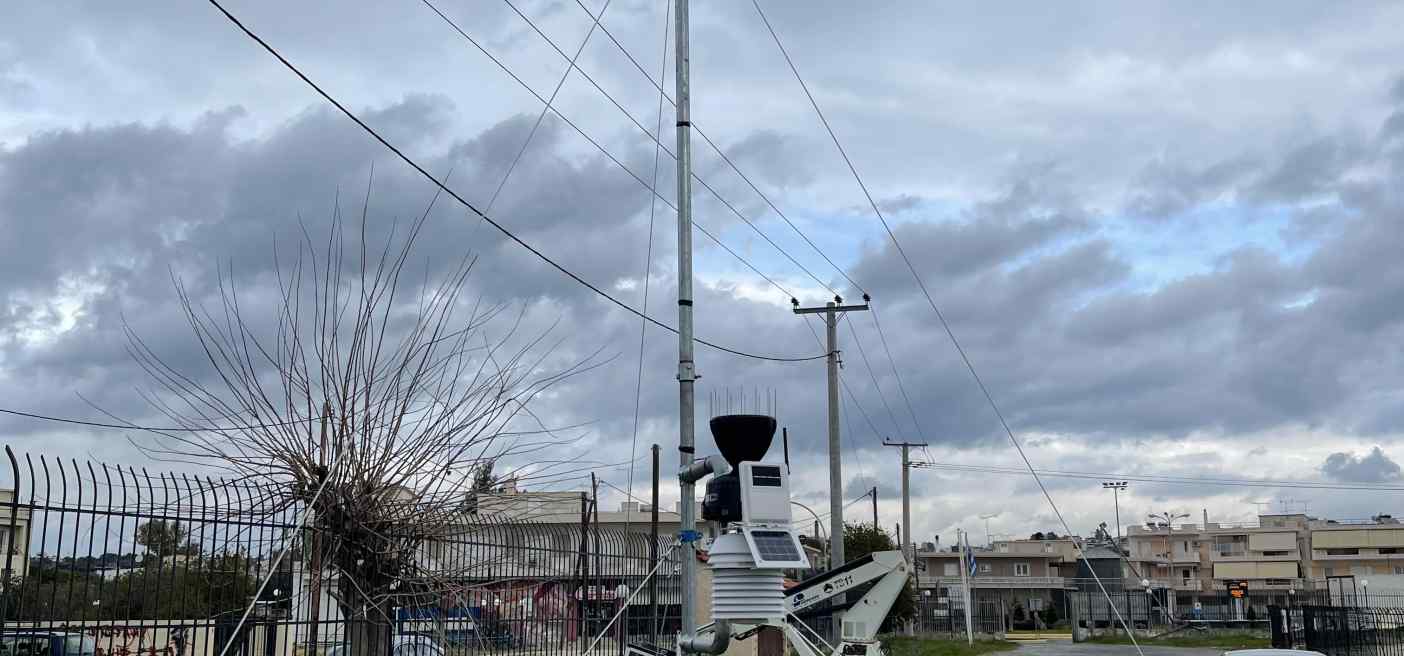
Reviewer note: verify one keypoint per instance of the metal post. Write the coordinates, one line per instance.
(315, 588)
(687, 373)
(653, 557)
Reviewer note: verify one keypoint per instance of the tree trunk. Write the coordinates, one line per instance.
(368, 630)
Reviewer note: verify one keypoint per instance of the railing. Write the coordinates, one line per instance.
(1187, 584)
(1339, 630)
(168, 563)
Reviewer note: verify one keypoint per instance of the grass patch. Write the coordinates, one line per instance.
(909, 646)
(1211, 641)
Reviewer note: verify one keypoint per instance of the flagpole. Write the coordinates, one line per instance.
(964, 545)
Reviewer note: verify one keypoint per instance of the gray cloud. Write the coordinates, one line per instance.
(1015, 179)
(1376, 467)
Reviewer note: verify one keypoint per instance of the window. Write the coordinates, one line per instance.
(1047, 547)
(1035, 604)
(1398, 570)
(1390, 550)
(1021, 569)
(1276, 553)
(986, 568)
(1330, 571)
(1004, 548)
(1185, 574)
(1342, 552)
(952, 569)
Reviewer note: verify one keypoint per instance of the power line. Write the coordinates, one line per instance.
(452, 194)
(655, 138)
(155, 429)
(598, 146)
(1168, 480)
(542, 116)
(658, 84)
(868, 365)
(922, 285)
(902, 388)
(648, 266)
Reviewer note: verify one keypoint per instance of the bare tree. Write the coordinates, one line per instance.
(368, 400)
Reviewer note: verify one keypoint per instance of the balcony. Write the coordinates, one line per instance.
(1161, 560)
(1188, 584)
(996, 582)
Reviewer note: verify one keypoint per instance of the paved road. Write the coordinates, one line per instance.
(1068, 648)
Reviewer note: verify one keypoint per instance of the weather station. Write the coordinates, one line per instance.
(749, 502)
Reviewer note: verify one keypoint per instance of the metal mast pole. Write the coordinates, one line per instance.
(687, 373)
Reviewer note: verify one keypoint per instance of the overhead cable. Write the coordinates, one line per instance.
(452, 194)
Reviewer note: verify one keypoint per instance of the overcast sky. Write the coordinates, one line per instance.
(1167, 235)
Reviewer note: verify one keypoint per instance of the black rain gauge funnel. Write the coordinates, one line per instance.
(742, 438)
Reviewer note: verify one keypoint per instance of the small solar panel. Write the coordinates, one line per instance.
(775, 545)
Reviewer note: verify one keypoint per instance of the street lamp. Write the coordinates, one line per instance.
(1365, 584)
(820, 525)
(1169, 519)
(1116, 487)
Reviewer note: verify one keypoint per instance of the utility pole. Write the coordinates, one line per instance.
(831, 312)
(907, 547)
(1116, 487)
(687, 372)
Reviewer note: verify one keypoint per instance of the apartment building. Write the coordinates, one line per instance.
(1023, 573)
(1359, 549)
(1202, 559)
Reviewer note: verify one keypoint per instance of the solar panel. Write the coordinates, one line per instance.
(775, 545)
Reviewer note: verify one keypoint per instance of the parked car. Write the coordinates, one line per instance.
(408, 644)
(46, 643)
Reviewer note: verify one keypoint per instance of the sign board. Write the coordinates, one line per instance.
(1237, 589)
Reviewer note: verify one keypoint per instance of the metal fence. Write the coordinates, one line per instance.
(1339, 630)
(123, 562)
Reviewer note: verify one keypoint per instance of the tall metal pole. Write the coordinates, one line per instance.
(835, 462)
(653, 554)
(687, 373)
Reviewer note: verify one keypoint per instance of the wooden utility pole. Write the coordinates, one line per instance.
(907, 546)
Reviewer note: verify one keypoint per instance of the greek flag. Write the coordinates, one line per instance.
(971, 556)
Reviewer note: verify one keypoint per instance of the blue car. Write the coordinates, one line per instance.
(46, 643)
